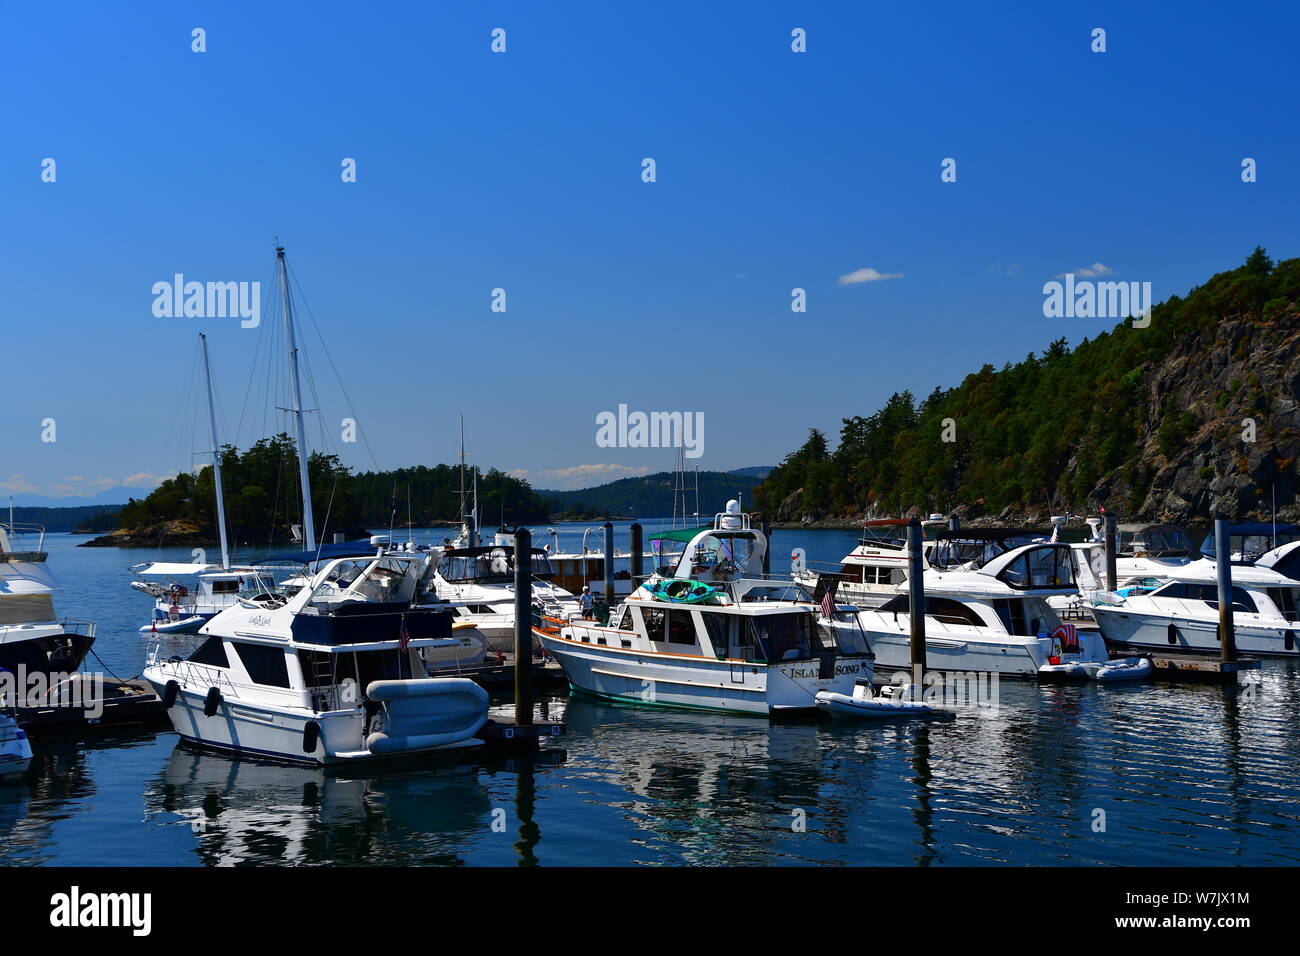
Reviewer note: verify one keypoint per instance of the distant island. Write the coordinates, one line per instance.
(263, 500)
(1196, 414)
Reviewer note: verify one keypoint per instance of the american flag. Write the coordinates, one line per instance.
(828, 599)
(1068, 635)
(404, 638)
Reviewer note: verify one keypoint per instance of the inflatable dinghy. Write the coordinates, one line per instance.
(1120, 669)
(185, 625)
(865, 704)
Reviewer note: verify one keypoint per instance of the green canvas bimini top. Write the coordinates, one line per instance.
(685, 535)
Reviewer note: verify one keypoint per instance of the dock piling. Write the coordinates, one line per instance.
(1112, 582)
(523, 627)
(636, 556)
(609, 564)
(916, 601)
(1223, 575)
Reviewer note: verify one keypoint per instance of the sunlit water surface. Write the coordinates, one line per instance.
(1152, 774)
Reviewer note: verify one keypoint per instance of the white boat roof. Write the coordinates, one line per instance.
(180, 569)
(1205, 571)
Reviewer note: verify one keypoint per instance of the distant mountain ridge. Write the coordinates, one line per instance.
(113, 496)
(651, 496)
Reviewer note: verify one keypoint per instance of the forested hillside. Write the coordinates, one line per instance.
(1151, 422)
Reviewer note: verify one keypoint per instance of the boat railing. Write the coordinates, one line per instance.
(189, 671)
(17, 537)
(76, 627)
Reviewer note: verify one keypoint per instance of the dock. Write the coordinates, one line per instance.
(1192, 668)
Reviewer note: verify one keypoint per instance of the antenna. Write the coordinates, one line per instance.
(216, 457)
(291, 346)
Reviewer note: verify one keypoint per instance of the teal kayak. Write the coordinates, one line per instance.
(681, 591)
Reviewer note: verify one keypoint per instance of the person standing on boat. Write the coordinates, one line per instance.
(584, 601)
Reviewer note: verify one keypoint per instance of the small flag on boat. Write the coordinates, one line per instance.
(828, 599)
(404, 639)
(1068, 635)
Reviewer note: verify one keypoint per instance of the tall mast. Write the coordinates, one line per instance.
(463, 527)
(216, 456)
(291, 346)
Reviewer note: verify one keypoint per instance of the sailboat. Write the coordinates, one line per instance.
(177, 609)
(331, 673)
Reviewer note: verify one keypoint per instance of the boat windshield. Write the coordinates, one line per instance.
(1155, 542)
(495, 564)
(954, 552)
(1249, 547)
(884, 536)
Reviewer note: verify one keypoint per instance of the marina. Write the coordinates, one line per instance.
(1204, 764)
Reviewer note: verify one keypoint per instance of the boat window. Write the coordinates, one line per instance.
(212, 651)
(1049, 567)
(1011, 611)
(1241, 600)
(654, 623)
(1284, 600)
(681, 628)
(782, 637)
(1208, 593)
(717, 626)
(265, 665)
(625, 622)
(225, 587)
(941, 609)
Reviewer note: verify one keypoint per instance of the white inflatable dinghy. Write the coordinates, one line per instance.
(184, 625)
(1124, 668)
(864, 703)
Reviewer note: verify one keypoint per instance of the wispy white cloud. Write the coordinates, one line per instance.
(1088, 272)
(866, 275)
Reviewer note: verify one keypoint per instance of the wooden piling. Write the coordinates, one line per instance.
(523, 627)
(916, 599)
(1223, 577)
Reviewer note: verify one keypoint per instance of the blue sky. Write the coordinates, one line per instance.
(522, 171)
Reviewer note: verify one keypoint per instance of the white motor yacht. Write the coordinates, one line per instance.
(331, 674)
(480, 582)
(871, 573)
(34, 640)
(1182, 613)
(715, 634)
(987, 610)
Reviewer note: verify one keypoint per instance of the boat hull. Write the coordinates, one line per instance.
(15, 751)
(1151, 631)
(281, 734)
(1006, 654)
(701, 683)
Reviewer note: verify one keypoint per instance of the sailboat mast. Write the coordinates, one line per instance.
(462, 474)
(216, 456)
(291, 346)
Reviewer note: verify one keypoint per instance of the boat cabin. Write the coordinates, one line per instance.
(489, 564)
(1153, 541)
(976, 547)
(1251, 541)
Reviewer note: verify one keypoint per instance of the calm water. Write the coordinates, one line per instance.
(1187, 775)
